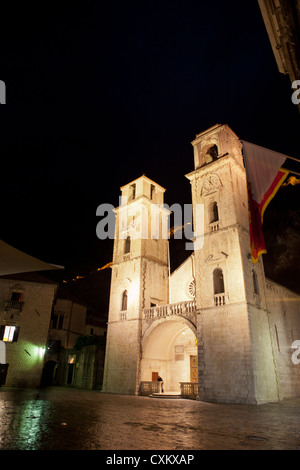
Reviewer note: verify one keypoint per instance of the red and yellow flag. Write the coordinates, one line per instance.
(264, 177)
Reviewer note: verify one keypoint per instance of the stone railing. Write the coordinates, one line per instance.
(219, 299)
(185, 309)
(147, 388)
(189, 389)
(123, 315)
(214, 226)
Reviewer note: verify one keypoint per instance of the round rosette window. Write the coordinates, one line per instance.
(191, 289)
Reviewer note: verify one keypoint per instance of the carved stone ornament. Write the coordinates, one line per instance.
(191, 289)
(216, 257)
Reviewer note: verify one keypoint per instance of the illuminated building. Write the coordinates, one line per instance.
(71, 318)
(282, 22)
(226, 335)
(25, 307)
(39, 325)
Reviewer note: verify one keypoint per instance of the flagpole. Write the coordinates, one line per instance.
(292, 171)
(293, 158)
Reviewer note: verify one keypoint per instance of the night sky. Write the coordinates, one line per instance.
(100, 93)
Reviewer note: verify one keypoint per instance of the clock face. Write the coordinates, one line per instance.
(210, 182)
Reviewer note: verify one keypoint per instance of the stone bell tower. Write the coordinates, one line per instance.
(139, 279)
(235, 360)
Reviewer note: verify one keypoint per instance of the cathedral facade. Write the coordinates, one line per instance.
(215, 327)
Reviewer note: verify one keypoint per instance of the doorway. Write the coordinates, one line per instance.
(194, 369)
(167, 350)
(70, 373)
(48, 374)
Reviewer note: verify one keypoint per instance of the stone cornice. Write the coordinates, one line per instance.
(223, 161)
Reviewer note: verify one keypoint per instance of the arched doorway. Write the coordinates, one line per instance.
(169, 349)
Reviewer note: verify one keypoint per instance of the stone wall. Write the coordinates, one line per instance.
(284, 318)
(89, 367)
(224, 355)
(122, 357)
(83, 368)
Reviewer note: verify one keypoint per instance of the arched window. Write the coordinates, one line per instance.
(124, 300)
(133, 189)
(218, 281)
(152, 191)
(255, 282)
(213, 212)
(127, 245)
(213, 152)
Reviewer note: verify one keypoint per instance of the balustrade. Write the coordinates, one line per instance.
(189, 389)
(123, 315)
(214, 226)
(180, 308)
(147, 388)
(219, 299)
(186, 308)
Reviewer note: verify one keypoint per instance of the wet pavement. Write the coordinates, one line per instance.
(59, 418)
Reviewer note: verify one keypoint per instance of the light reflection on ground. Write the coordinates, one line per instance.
(73, 419)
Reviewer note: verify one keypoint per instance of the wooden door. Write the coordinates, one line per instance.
(194, 368)
(154, 376)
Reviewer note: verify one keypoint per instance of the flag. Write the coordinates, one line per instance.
(265, 175)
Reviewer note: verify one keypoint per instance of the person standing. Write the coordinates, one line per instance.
(162, 383)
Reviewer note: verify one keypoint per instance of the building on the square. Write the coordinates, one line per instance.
(216, 329)
(282, 22)
(39, 326)
(26, 301)
(71, 320)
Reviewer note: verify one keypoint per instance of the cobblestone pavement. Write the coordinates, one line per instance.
(73, 419)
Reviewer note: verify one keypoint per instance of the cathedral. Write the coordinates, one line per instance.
(216, 329)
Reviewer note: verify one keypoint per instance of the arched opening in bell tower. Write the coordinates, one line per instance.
(170, 350)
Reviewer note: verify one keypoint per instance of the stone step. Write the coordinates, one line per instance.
(165, 395)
